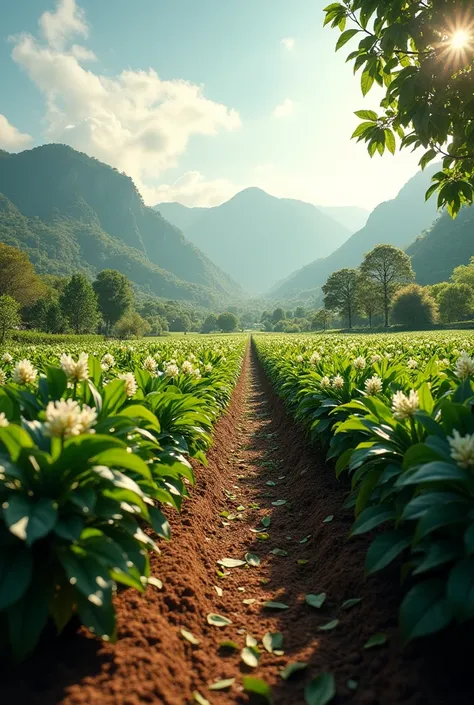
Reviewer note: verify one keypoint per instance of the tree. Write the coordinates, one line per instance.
(420, 53)
(369, 297)
(9, 315)
(181, 323)
(455, 301)
(413, 306)
(321, 319)
(114, 295)
(388, 268)
(46, 314)
(464, 274)
(210, 324)
(79, 304)
(131, 325)
(278, 315)
(340, 293)
(227, 322)
(300, 312)
(18, 277)
(436, 289)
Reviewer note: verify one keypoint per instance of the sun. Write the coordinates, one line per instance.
(460, 39)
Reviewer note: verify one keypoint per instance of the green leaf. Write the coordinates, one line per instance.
(16, 570)
(329, 626)
(378, 639)
(345, 37)
(223, 684)
(250, 655)
(366, 83)
(436, 471)
(384, 549)
(231, 562)
(27, 619)
(425, 609)
(347, 604)
(367, 115)
(371, 518)
(189, 637)
(275, 605)
(328, 519)
(272, 641)
(279, 502)
(390, 141)
(316, 601)
(266, 521)
(258, 687)
(98, 619)
(252, 559)
(279, 552)
(28, 519)
(321, 690)
(460, 589)
(217, 620)
(200, 699)
(87, 574)
(229, 644)
(293, 668)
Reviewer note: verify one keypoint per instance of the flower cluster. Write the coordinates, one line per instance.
(373, 385)
(75, 371)
(462, 449)
(24, 373)
(66, 418)
(404, 406)
(131, 385)
(464, 367)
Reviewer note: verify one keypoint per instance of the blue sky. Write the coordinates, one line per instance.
(194, 99)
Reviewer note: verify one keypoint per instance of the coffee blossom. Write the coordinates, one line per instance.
(107, 361)
(360, 363)
(172, 370)
(412, 364)
(315, 358)
(75, 371)
(131, 385)
(373, 386)
(3, 377)
(338, 382)
(187, 367)
(6, 358)
(404, 406)
(464, 366)
(24, 373)
(208, 367)
(462, 449)
(150, 365)
(325, 382)
(66, 418)
(3, 420)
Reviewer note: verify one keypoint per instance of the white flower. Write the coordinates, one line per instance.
(376, 358)
(172, 370)
(76, 371)
(325, 382)
(300, 358)
(412, 364)
(3, 377)
(315, 358)
(338, 382)
(208, 367)
(192, 357)
(66, 418)
(6, 358)
(3, 420)
(107, 361)
(462, 449)
(24, 372)
(360, 363)
(464, 367)
(197, 373)
(150, 364)
(187, 367)
(373, 386)
(404, 406)
(131, 385)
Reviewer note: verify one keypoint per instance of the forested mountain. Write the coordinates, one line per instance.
(258, 239)
(397, 222)
(72, 213)
(181, 216)
(446, 245)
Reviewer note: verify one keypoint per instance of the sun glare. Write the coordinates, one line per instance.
(460, 39)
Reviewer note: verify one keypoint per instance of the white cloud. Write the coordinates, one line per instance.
(288, 43)
(11, 139)
(134, 121)
(193, 189)
(284, 109)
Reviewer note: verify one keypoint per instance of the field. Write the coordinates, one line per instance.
(216, 519)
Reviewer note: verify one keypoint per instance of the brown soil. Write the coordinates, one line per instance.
(255, 443)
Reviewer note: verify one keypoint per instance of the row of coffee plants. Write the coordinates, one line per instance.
(92, 444)
(395, 415)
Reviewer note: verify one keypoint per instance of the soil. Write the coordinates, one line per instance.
(259, 457)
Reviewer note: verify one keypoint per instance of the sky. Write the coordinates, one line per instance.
(194, 99)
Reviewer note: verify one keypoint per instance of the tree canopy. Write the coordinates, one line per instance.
(340, 293)
(114, 295)
(227, 322)
(18, 277)
(421, 54)
(9, 315)
(79, 304)
(388, 268)
(413, 306)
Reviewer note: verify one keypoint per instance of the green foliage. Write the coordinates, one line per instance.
(79, 304)
(340, 293)
(132, 325)
(408, 50)
(370, 297)
(227, 322)
(9, 315)
(414, 307)
(17, 276)
(210, 324)
(456, 301)
(114, 295)
(387, 268)
(464, 274)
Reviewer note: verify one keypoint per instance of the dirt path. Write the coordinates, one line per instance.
(259, 458)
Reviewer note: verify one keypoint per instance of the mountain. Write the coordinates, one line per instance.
(71, 213)
(396, 222)
(446, 245)
(258, 239)
(181, 216)
(351, 217)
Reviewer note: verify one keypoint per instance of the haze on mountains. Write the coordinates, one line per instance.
(258, 239)
(397, 222)
(72, 213)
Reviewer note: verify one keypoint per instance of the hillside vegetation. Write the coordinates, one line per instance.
(72, 213)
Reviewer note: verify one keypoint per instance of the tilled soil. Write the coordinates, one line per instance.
(259, 457)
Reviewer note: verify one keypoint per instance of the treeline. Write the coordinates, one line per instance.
(383, 290)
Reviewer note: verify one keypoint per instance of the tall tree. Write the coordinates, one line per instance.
(17, 276)
(114, 295)
(227, 322)
(210, 324)
(9, 315)
(421, 54)
(79, 304)
(340, 293)
(369, 297)
(464, 274)
(455, 301)
(388, 268)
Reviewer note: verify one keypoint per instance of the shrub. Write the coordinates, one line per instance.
(413, 306)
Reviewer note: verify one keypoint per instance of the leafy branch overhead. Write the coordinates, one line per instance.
(421, 55)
